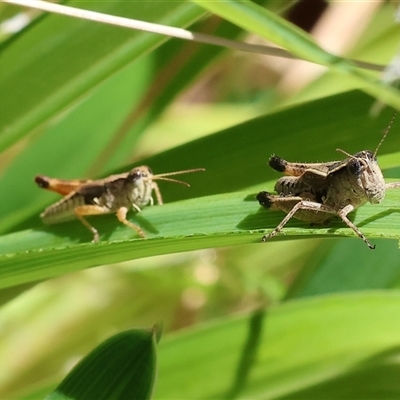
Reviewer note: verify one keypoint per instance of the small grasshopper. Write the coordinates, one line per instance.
(114, 194)
(313, 192)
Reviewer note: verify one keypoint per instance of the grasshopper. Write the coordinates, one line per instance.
(314, 192)
(114, 194)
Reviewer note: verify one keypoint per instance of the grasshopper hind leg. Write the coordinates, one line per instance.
(80, 211)
(271, 201)
(265, 199)
(301, 205)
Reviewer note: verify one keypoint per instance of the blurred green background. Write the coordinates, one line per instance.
(79, 99)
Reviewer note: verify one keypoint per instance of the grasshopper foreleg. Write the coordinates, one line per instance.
(393, 185)
(121, 215)
(343, 216)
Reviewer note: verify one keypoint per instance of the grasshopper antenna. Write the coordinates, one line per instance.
(381, 141)
(345, 153)
(386, 132)
(163, 177)
(351, 156)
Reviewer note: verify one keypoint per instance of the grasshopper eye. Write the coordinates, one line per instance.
(355, 167)
(135, 175)
(372, 157)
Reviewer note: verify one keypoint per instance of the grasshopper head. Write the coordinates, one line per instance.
(139, 174)
(364, 167)
(138, 186)
(139, 180)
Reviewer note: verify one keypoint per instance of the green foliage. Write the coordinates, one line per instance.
(322, 344)
(122, 367)
(78, 99)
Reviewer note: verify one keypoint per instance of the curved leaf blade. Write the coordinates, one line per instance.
(213, 221)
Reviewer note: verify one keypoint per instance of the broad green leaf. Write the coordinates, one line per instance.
(122, 367)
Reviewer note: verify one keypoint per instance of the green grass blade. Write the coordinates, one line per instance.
(63, 71)
(268, 25)
(304, 343)
(213, 221)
